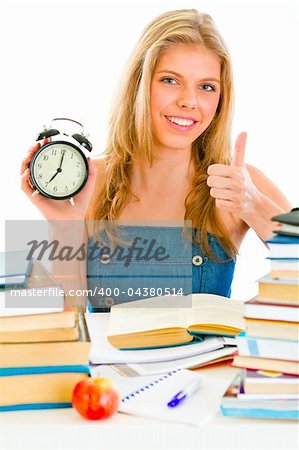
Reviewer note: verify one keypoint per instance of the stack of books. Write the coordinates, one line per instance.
(44, 352)
(268, 353)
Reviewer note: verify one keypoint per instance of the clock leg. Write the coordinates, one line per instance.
(35, 193)
(72, 201)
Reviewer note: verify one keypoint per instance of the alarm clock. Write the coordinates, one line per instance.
(59, 169)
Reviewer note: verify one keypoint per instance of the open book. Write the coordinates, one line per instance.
(166, 321)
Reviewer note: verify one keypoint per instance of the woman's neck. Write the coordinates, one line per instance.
(170, 169)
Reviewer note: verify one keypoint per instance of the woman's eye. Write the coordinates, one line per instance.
(168, 80)
(208, 87)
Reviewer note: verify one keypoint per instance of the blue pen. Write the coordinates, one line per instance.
(187, 391)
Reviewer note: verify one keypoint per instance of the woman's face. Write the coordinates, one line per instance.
(185, 92)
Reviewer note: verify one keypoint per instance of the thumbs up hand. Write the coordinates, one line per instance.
(231, 186)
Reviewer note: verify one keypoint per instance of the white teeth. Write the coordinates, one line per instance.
(182, 122)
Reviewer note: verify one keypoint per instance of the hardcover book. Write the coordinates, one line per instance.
(150, 323)
(39, 387)
(235, 404)
(267, 382)
(50, 353)
(258, 309)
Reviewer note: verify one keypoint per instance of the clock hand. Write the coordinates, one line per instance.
(54, 175)
(61, 161)
(58, 170)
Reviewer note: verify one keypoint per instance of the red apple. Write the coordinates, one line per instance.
(96, 398)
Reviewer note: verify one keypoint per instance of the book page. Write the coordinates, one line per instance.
(149, 314)
(217, 310)
(134, 320)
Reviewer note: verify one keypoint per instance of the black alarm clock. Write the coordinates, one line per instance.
(59, 169)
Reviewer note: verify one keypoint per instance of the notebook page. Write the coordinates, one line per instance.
(183, 363)
(148, 396)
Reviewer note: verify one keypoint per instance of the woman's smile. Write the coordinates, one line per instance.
(181, 123)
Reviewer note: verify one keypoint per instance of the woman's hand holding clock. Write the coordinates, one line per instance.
(57, 209)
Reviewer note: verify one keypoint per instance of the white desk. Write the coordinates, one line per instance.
(63, 429)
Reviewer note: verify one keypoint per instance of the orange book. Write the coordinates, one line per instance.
(257, 363)
(275, 329)
(270, 288)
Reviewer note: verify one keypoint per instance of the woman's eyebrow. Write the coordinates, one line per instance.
(172, 72)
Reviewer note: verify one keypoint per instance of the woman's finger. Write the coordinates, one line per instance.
(227, 205)
(222, 182)
(238, 158)
(27, 159)
(26, 184)
(33, 149)
(224, 194)
(221, 170)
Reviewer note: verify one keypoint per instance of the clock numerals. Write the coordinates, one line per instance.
(59, 171)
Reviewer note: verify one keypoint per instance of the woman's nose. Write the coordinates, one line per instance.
(187, 98)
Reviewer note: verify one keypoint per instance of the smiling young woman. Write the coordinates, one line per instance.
(170, 135)
(169, 158)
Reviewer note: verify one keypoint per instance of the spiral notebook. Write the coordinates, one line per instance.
(147, 396)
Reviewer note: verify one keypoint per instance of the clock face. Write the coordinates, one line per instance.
(59, 170)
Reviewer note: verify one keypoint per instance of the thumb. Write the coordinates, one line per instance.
(238, 158)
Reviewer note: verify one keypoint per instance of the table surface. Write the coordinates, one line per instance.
(64, 429)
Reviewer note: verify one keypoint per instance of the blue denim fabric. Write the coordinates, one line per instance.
(185, 269)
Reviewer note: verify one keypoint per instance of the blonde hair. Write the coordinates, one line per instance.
(130, 131)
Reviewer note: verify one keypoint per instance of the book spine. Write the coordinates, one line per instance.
(13, 371)
(33, 406)
(260, 413)
(83, 330)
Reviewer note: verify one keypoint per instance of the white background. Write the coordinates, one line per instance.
(65, 58)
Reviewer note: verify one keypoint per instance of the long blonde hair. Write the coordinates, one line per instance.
(130, 131)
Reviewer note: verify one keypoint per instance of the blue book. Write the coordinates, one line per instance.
(286, 240)
(233, 404)
(14, 269)
(39, 387)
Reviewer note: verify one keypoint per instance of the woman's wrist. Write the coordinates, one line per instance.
(259, 216)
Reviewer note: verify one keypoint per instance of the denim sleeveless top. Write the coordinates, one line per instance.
(163, 262)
